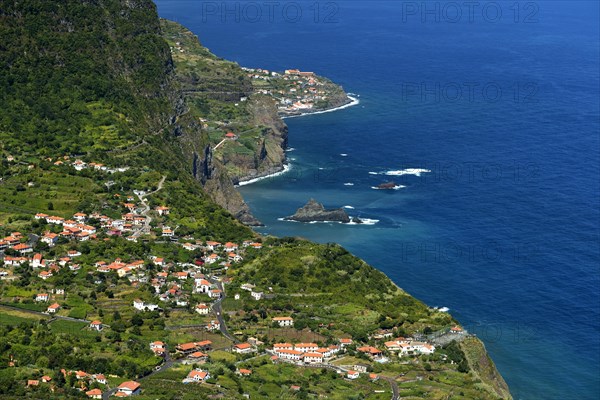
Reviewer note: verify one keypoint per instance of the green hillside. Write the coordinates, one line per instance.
(112, 193)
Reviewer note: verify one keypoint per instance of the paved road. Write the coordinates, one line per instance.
(167, 363)
(42, 314)
(142, 197)
(219, 311)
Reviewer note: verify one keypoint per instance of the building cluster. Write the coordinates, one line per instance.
(295, 91)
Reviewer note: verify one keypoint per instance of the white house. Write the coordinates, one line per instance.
(96, 325)
(352, 375)
(42, 297)
(140, 305)
(306, 347)
(291, 355)
(53, 308)
(202, 309)
(243, 348)
(313, 358)
(128, 388)
(37, 261)
(284, 321)
(257, 295)
(202, 285)
(197, 375)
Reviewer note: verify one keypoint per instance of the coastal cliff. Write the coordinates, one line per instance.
(174, 123)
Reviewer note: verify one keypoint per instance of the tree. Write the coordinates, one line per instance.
(137, 320)
(50, 206)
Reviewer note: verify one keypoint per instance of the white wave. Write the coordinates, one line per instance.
(344, 155)
(443, 309)
(365, 221)
(408, 171)
(348, 184)
(349, 207)
(286, 168)
(321, 168)
(397, 187)
(354, 101)
(290, 149)
(373, 173)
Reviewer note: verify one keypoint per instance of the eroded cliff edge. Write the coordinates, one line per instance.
(216, 98)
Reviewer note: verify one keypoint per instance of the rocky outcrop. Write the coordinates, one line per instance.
(314, 211)
(222, 191)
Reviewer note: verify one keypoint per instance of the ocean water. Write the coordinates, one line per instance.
(501, 104)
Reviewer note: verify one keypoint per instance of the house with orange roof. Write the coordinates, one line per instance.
(244, 372)
(96, 325)
(13, 261)
(202, 309)
(46, 379)
(49, 238)
(229, 247)
(306, 347)
(81, 217)
(45, 275)
(197, 375)
(53, 308)
(158, 347)
(291, 355)
(313, 358)
(161, 210)
(282, 346)
(100, 378)
(81, 375)
(55, 220)
(23, 248)
(42, 297)
(94, 394)
(212, 245)
(352, 375)
(129, 388)
(198, 356)
(33, 382)
(242, 348)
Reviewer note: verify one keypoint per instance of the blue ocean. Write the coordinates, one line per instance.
(486, 116)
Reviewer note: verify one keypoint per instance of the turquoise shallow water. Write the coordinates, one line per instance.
(505, 115)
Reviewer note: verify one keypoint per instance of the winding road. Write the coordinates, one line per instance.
(219, 310)
(142, 197)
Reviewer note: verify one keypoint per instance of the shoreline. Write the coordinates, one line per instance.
(353, 102)
(286, 168)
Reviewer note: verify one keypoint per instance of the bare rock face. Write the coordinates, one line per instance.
(314, 211)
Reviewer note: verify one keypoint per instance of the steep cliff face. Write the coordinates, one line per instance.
(484, 368)
(216, 97)
(269, 154)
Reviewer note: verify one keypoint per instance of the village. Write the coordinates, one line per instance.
(295, 91)
(193, 284)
